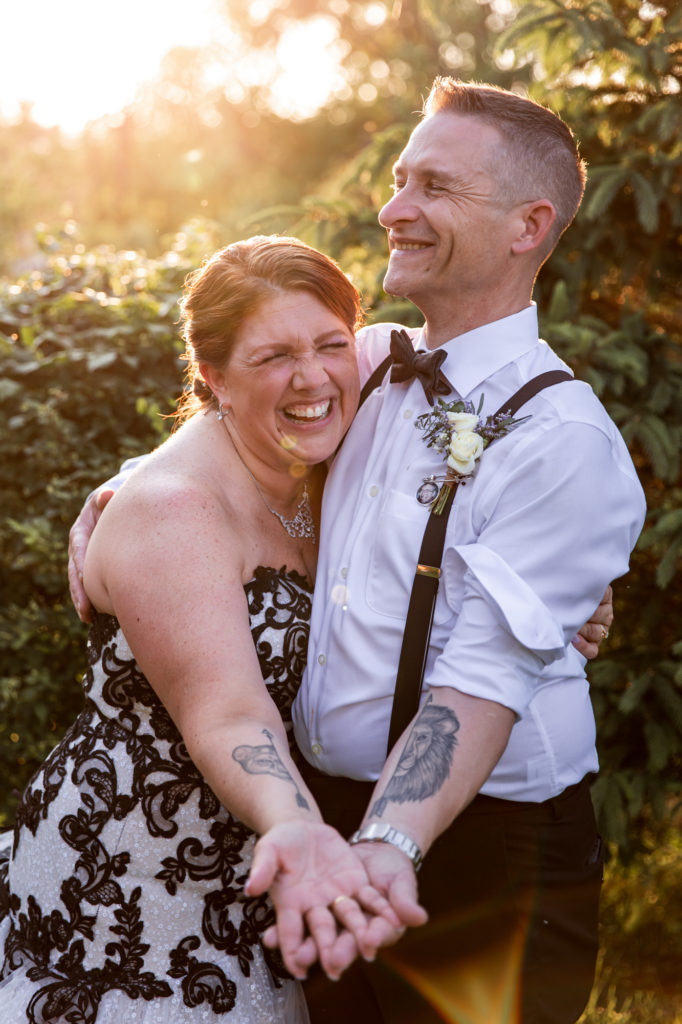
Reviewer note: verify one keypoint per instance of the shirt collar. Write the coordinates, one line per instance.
(474, 356)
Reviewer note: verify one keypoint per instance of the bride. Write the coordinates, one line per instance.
(128, 896)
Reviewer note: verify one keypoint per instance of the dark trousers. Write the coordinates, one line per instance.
(512, 890)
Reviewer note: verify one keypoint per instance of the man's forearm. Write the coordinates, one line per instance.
(439, 764)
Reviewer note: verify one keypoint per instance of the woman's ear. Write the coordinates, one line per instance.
(537, 219)
(216, 382)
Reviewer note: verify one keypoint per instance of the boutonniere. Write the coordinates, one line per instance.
(459, 432)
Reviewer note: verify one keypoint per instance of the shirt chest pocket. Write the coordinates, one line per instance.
(394, 555)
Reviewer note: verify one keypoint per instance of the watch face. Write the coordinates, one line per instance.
(427, 493)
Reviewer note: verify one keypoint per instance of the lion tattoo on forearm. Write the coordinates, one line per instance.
(425, 762)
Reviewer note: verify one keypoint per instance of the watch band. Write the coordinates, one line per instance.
(380, 832)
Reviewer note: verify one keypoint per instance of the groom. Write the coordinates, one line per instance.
(489, 781)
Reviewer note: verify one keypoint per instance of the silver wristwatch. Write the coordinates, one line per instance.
(379, 832)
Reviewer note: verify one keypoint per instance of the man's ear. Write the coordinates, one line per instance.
(537, 219)
(216, 381)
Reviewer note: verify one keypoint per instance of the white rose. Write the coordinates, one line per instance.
(463, 421)
(465, 448)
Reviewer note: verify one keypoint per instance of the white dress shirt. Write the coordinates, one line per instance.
(548, 520)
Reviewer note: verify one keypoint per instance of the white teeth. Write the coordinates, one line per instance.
(409, 246)
(308, 412)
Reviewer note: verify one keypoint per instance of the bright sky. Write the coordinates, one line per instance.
(79, 60)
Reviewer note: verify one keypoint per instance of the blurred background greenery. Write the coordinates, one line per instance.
(98, 229)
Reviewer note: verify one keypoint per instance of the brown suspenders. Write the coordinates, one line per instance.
(419, 619)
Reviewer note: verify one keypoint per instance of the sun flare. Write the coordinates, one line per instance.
(308, 57)
(77, 63)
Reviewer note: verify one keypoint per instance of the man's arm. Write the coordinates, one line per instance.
(434, 771)
(496, 652)
(439, 764)
(587, 641)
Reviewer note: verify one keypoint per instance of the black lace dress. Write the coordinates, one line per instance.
(123, 898)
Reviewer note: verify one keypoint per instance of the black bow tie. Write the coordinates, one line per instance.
(408, 364)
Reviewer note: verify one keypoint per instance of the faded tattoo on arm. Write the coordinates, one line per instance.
(425, 762)
(264, 760)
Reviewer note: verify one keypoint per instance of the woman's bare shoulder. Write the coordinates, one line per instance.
(182, 478)
(168, 515)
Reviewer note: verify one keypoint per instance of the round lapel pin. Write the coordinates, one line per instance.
(427, 492)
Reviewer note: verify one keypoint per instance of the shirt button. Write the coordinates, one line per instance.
(373, 491)
(316, 749)
(407, 414)
(321, 659)
(344, 573)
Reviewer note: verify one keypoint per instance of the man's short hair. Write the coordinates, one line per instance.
(540, 158)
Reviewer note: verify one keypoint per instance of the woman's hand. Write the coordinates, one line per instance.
(327, 909)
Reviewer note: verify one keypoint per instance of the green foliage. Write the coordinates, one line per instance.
(638, 977)
(612, 69)
(637, 681)
(89, 356)
(612, 295)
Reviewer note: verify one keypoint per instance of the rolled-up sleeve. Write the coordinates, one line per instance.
(551, 536)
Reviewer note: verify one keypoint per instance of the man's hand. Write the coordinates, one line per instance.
(79, 537)
(326, 907)
(391, 872)
(597, 629)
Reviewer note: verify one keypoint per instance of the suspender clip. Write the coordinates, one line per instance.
(432, 571)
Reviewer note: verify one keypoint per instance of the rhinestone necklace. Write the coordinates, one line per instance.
(302, 524)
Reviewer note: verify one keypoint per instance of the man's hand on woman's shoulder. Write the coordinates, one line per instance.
(79, 538)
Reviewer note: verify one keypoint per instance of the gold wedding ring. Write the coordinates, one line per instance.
(604, 634)
(337, 899)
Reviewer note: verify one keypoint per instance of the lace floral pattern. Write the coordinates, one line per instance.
(126, 873)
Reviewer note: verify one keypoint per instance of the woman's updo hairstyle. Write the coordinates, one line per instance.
(230, 286)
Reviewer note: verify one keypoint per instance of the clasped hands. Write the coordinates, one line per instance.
(333, 901)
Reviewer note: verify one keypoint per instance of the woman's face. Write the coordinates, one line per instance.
(291, 383)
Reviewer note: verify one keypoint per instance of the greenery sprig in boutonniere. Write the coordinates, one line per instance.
(457, 431)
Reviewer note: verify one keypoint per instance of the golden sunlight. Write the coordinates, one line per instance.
(78, 61)
(74, 63)
(307, 71)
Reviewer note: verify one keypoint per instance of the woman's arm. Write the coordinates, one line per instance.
(166, 561)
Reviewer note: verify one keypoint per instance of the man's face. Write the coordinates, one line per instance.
(449, 229)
